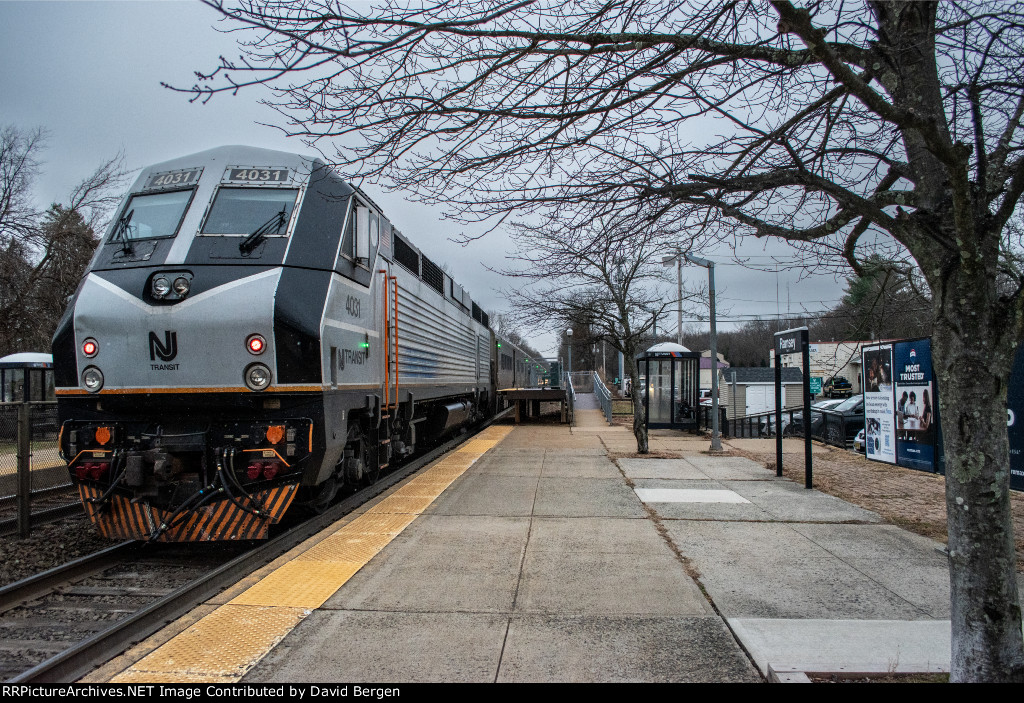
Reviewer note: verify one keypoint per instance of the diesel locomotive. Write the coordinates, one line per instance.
(252, 334)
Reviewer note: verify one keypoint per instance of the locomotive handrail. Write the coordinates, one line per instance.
(604, 397)
(387, 339)
(390, 334)
(394, 340)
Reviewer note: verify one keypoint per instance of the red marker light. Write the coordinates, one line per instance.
(256, 344)
(90, 348)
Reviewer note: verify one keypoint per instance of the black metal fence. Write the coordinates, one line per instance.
(33, 477)
(829, 427)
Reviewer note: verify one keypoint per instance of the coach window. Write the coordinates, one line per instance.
(152, 216)
(246, 210)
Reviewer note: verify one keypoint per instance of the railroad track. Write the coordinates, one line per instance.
(48, 504)
(57, 626)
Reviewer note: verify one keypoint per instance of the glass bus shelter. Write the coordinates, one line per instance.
(26, 376)
(671, 378)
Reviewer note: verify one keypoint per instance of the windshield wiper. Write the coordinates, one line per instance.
(275, 223)
(121, 233)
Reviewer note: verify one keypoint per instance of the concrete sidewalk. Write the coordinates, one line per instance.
(547, 561)
(555, 558)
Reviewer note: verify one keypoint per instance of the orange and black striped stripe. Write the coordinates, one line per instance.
(223, 520)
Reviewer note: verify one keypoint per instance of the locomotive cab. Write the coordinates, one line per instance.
(252, 332)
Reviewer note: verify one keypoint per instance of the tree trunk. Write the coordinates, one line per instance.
(639, 417)
(973, 348)
(985, 610)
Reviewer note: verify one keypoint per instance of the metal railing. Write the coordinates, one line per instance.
(583, 381)
(829, 427)
(30, 466)
(604, 396)
(570, 397)
(835, 429)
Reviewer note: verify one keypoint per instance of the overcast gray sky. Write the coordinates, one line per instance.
(90, 72)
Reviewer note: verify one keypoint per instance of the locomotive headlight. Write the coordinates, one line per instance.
(181, 286)
(161, 286)
(92, 377)
(257, 377)
(90, 347)
(256, 344)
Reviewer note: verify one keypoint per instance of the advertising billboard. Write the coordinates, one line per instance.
(916, 406)
(1015, 421)
(879, 411)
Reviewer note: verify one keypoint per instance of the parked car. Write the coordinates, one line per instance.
(838, 387)
(841, 423)
(705, 397)
(859, 442)
(796, 427)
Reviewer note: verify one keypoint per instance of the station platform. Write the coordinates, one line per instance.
(546, 553)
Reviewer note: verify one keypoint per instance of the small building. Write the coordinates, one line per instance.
(705, 369)
(26, 376)
(754, 390)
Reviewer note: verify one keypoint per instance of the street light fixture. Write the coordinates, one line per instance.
(716, 440)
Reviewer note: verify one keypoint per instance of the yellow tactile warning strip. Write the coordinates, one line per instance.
(299, 584)
(358, 548)
(376, 523)
(412, 505)
(220, 645)
(225, 644)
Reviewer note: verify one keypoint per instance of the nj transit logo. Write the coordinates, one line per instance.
(166, 349)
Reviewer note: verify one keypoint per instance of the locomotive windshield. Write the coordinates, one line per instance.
(247, 210)
(153, 215)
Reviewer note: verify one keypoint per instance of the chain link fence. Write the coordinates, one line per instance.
(33, 477)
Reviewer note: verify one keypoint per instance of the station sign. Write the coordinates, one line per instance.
(794, 341)
(815, 385)
(791, 341)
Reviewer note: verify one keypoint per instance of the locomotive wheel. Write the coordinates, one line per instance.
(355, 470)
(323, 498)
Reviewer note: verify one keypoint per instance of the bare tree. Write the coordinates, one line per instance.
(19, 165)
(44, 254)
(845, 128)
(601, 277)
(880, 303)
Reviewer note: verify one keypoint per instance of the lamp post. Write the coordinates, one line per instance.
(667, 261)
(716, 440)
(568, 345)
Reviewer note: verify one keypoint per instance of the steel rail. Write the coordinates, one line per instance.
(17, 593)
(78, 660)
(42, 517)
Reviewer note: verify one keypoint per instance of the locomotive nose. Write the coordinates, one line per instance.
(203, 334)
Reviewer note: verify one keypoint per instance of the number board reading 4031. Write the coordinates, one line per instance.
(258, 175)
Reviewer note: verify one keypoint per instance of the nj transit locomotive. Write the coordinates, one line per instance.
(252, 333)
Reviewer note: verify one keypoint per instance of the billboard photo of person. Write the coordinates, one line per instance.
(915, 390)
